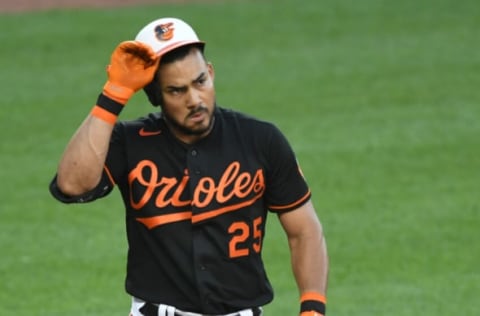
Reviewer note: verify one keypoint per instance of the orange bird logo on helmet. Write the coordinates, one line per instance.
(164, 32)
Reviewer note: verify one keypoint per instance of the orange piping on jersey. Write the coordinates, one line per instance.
(155, 221)
(223, 210)
(283, 207)
(107, 171)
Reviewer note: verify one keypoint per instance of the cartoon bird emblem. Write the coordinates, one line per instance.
(164, 32)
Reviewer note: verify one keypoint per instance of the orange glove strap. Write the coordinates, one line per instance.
(117, 93)
(107, 109)
(312, 304)
(311, 313)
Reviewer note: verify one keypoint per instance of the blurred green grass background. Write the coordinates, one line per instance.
(379, 99)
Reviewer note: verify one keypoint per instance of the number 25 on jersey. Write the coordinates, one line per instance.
(241, 233)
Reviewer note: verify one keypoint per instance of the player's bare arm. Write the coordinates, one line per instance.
(308, 249)
(132, 66)
(81, 165)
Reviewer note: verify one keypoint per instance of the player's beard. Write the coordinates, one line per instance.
(185, 130)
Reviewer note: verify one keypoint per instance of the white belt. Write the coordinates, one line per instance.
(246, 312)
(167, 310)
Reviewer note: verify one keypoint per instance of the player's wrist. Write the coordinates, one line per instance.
(313, 304)
(107, 109)
(117, 92)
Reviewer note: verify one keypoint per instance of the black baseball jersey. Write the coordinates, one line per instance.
(195, 214)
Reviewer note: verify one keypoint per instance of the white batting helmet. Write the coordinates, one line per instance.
(166, 34)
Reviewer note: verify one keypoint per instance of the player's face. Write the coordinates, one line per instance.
(188, 96)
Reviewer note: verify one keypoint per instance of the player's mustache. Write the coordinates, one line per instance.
(198, 109)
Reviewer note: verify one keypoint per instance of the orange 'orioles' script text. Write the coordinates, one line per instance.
(168, 191)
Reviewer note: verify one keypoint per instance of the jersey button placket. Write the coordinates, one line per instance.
(194, 166)
(202, 270)
(194, 171)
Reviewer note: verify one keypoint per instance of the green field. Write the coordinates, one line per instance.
(380, 100)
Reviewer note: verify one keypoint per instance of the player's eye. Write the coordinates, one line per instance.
(201, 80)
(176, 91)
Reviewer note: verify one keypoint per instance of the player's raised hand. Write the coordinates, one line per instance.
(132, 66)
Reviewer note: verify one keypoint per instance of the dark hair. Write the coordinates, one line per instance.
(153, 93)
(180, 53)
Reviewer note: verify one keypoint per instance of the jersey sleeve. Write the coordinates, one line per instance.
(103, 188)
(287, 188)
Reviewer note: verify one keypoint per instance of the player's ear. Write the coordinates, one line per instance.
(210, 70)
(152, 90)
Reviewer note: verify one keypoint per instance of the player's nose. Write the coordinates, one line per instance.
(194, 98)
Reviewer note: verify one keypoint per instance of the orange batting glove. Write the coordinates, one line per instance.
(132, 66)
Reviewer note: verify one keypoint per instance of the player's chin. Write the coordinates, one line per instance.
(200, 127)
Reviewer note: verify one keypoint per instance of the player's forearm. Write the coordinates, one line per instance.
(310, 262)
(81, 165)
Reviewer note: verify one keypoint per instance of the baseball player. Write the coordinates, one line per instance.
(197, 181)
